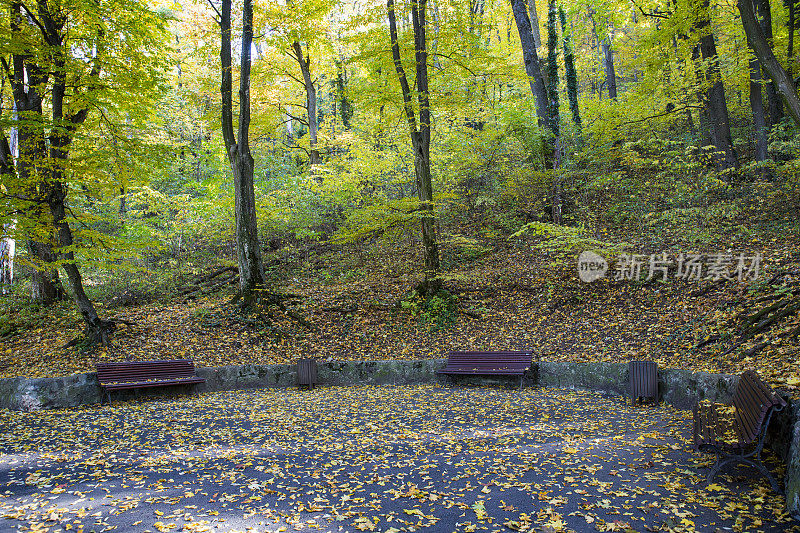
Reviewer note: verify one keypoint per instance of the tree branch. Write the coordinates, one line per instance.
(644, 119)
(295, 78)
(654, 14)
(450, 57)
(218, 20)
(36, 21)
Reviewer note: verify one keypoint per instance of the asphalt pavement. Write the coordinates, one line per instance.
(389, 459)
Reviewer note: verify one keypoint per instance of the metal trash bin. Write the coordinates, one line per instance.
(643, 380)
(307, 372)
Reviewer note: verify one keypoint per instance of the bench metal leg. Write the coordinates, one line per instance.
(724, 458)
(722, 461)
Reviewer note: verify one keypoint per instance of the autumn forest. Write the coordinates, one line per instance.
(255, 181)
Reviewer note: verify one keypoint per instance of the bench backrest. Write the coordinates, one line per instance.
(131, 371)
(753, 401)
(490, 360)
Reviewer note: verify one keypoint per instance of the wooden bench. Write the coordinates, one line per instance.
(738, 438)
(145, 374)
(488, 364)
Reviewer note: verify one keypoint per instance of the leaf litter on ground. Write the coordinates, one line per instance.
(395, 458)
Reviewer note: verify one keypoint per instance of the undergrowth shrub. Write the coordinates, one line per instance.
(561, 245)
(437, 311)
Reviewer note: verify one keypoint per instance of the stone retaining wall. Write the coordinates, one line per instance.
(677, 387)
(30, 394)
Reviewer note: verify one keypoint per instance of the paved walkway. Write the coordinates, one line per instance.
(411, 458)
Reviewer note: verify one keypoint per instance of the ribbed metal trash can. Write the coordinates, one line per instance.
(307, 372)
(644, 381)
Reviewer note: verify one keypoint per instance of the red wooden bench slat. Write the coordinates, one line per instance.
(145, 384)
(145, 374)
(502, 363)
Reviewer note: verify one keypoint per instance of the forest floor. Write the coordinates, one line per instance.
(511, 298)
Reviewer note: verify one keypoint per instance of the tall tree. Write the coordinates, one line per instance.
(420, 131)
(552, 70)
(531, 60)
(715, 103)
(66, 59)
(553, 109)
(608, 62)
(790, 24)
(757, 106)
(534, 16)
(603, 36)
(766, 56)
(237, 146)
(774, 107)
(28, 80)
(304, 60)
(569, 69)
(342, 100)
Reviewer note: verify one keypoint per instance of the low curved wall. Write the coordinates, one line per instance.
(30, 394)
(677, 387)
(680, 388)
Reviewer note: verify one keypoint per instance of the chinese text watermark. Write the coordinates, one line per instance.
(689, 267)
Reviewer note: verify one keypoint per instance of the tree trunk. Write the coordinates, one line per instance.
(311, 101)
(534, 23)
(766, 57)
(607, 56)
(7, 251)
(123, 207)
(437, 64)
(596, 88)
(704, 133)
(757, 105)
(715, 99)
(569, 67)
(420, 138)
(345, 108)
(46, 286)
(774, 107)
(690, 119)
(422, 159)
(97, 330)
(553, 108)
(789, 4)
(531, 59)
(248, 247)
(552, 72)
(608, 63)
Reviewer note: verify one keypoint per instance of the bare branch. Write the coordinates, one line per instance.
(218, 20)
(460, 64)
(644, 119)
(653, 14)
(35, 20)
